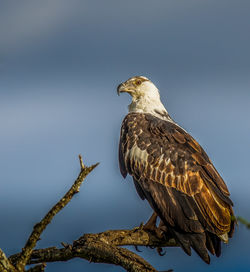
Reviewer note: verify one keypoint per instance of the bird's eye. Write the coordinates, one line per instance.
(138, 82)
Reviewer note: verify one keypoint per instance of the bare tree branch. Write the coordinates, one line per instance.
(243, 221)
(137, 236)
(5, 264)
(103, 248)
(40, 227)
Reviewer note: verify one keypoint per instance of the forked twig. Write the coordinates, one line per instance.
(40, 227)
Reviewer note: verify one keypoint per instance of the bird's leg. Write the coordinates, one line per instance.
(152, 227)
(158, 231)
(151, 224)
(162, 227)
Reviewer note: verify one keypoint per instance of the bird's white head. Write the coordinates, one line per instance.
(145, 96)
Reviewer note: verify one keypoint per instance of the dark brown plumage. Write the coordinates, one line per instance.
(172, 171)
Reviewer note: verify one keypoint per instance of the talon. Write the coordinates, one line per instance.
(160, 251)
(159, 233)
(141, 226)
(151, 226)
(135, 229)
(137, 249)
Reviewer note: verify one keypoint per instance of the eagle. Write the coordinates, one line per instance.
(173, 173)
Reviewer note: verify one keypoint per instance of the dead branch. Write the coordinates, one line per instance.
(102, 247)
(40, 227)
(243, 221)
(5, 264)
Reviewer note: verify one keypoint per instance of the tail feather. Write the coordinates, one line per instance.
(184, 242)
(217, 243)
(213, 243)
(198, 243)
(195, 240)
(210, 244)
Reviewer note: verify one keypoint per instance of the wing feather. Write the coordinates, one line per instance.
(178, 179)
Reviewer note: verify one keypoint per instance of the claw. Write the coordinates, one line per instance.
(137, 249)
(160, 251)
(141, 226)
(138, 228)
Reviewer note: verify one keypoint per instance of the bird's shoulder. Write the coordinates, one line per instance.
(177, 151)
(166, 133)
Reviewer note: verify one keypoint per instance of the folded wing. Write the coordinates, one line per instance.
(173, 172)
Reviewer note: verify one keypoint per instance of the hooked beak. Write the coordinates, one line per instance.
(123, 89)
(120, 88)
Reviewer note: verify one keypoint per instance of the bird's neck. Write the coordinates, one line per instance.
(149, 105)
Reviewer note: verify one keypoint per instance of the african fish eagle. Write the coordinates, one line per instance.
(173, 172)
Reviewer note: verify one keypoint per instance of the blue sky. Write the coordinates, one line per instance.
(60, 63)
